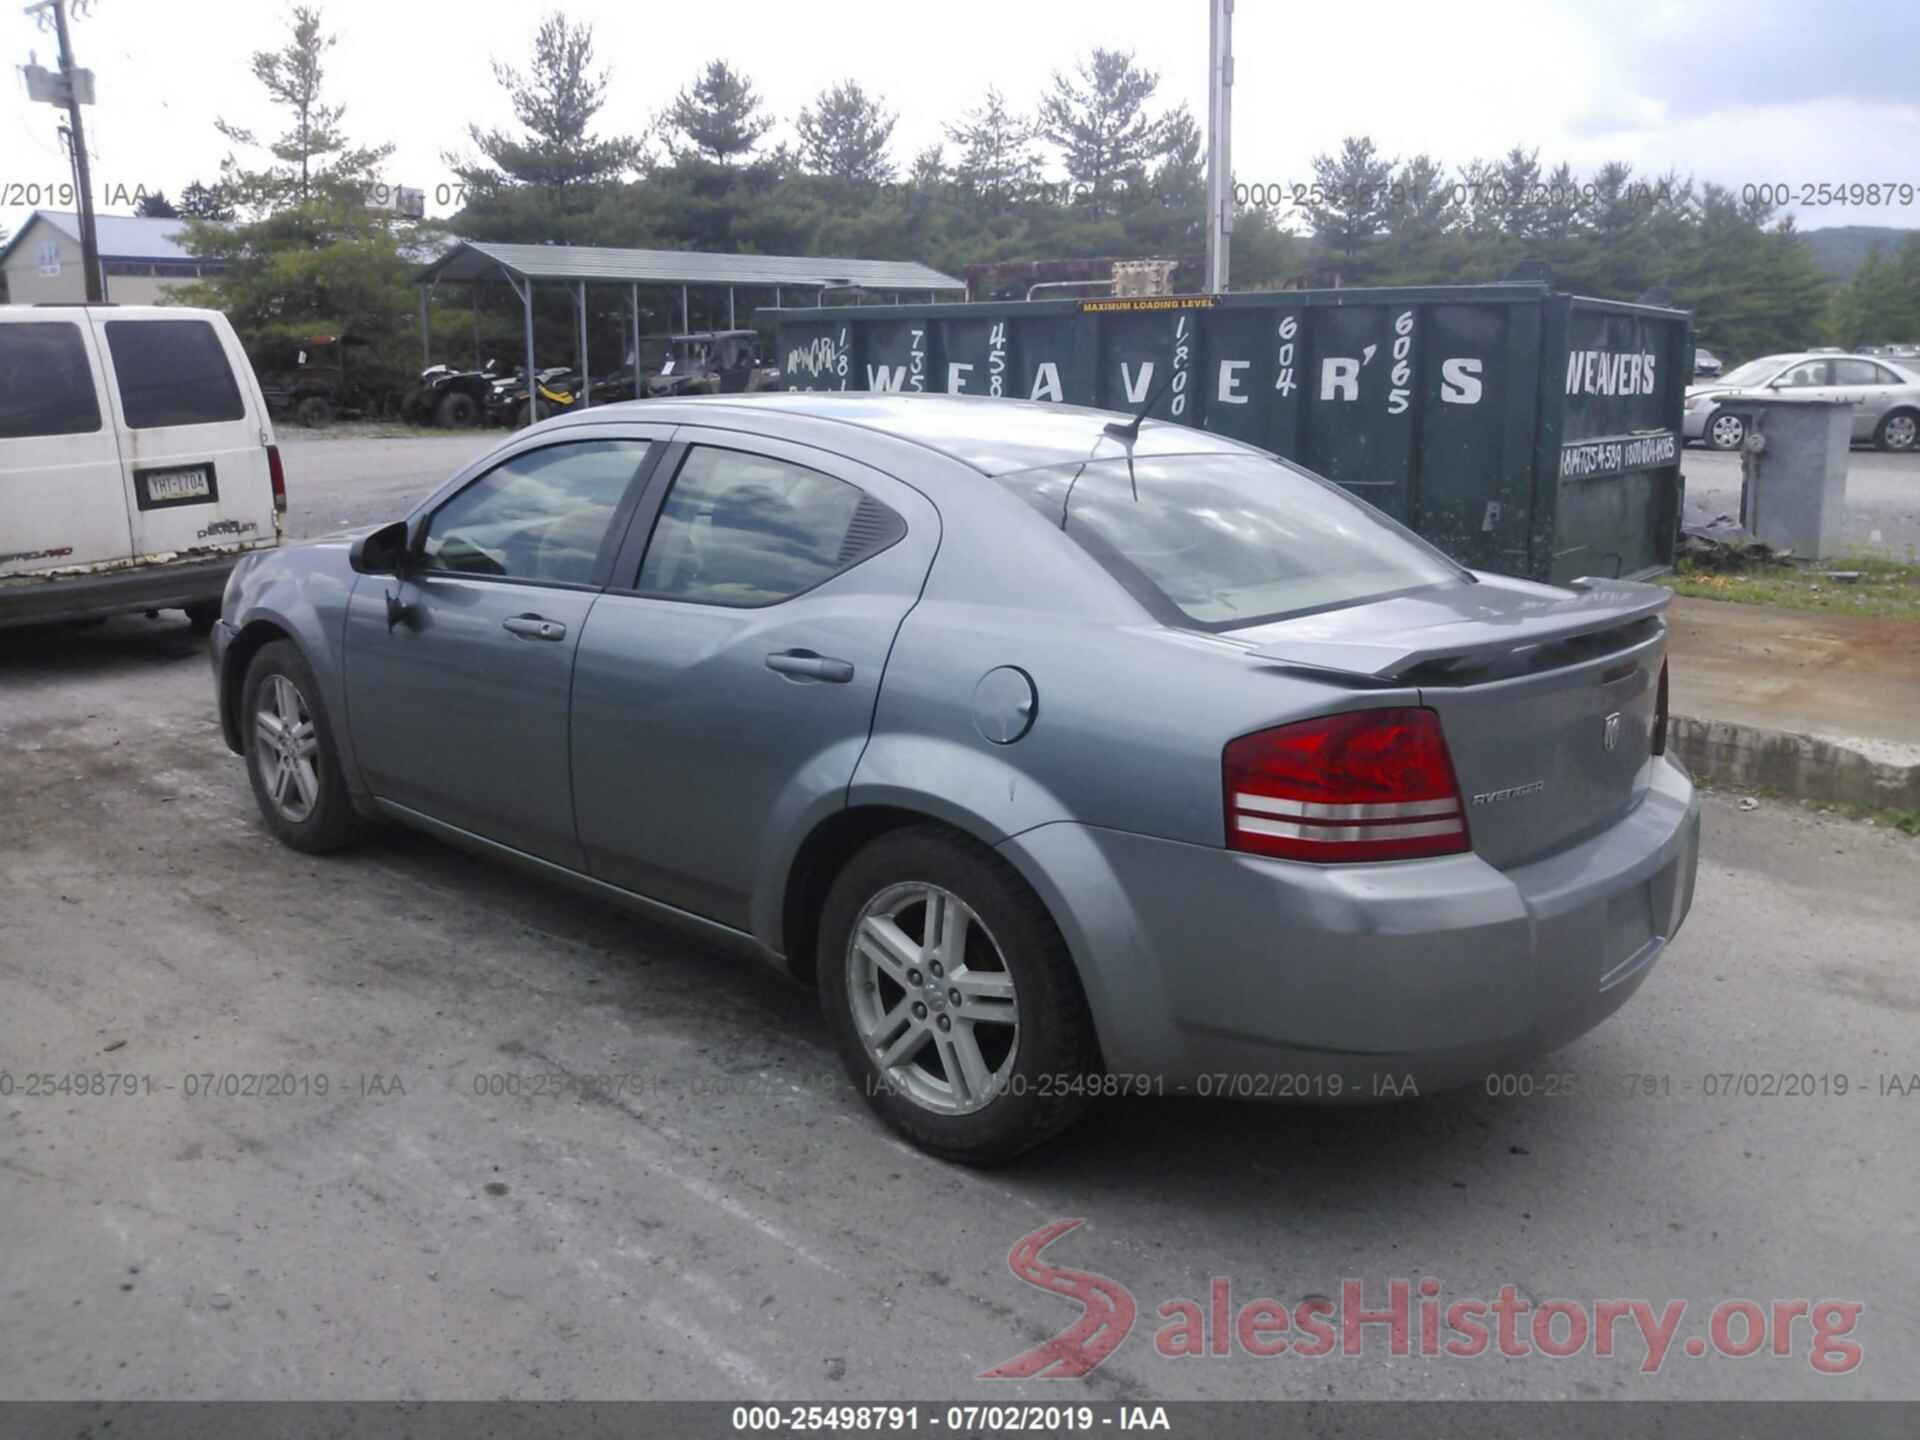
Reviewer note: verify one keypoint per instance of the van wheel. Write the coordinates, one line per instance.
(456, 411)
(951, 997)
(291, 757)
(202, 616)
(314, 412)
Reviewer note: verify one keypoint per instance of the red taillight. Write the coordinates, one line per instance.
(1659, 746)
(1367, 785)
(278, 475)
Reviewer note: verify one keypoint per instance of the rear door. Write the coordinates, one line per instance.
(1870, 388)
(725, 686)
(62, 501)
(194, 435)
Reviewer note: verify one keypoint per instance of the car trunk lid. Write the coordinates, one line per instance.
(1546, 695)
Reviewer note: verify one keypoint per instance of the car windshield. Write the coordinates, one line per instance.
(1221, 541)
(1754, 372)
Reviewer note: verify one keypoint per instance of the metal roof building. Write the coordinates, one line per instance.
(577, 266)
(138, 259)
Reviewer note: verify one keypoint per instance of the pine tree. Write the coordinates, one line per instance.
(1097, 118)
(718, 116)
(1347, 207)
(156, 207)
(200, 201)
(844, 135)
(555, 102)
(996, 150)
(314, 155)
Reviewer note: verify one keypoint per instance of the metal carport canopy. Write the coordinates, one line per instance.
(471, 260)
(580, 265)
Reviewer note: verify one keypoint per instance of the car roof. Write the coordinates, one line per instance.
(994, 437)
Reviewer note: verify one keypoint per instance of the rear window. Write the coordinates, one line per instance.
(46, 385)
(1220, 541)
(172, 372)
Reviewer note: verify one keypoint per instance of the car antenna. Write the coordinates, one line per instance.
(1129, 430)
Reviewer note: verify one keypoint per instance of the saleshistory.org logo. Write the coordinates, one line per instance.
(1414, 1319)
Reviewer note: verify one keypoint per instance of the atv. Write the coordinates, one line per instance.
(316, 382)
(452, 399)
(712, 362)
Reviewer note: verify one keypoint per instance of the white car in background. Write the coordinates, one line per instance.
(137, 462)
(1885, 397)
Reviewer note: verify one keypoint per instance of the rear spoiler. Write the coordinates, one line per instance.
(1595, 606)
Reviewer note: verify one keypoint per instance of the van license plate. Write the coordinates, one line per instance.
(186, 485)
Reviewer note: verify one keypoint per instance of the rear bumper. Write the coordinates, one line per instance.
(1341, 982)
(28, 600)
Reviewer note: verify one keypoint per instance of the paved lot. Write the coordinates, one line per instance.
(1883, 496)
(466, 1212)
(343, 482)
(731, 1222)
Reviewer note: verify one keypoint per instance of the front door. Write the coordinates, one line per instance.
(725, 685)
(459, 670)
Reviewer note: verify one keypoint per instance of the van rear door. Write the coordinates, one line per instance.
(195, 434)
(62, 500)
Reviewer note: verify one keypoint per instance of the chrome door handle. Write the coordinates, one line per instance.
(534, 627)
(806, 665)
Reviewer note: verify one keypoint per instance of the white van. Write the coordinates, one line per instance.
(137, 462)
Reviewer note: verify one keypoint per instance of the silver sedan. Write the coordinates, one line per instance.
(1064, 756)
(1885, 397)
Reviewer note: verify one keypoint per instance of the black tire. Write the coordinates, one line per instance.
(456, 411)
(1724, 431)
(330, 821)
(1054, 1041)
(315, 412)
(1898, 431)
(202, 616)
(524, 416)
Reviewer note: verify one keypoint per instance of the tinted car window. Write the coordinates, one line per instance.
(746, 530)
(172, 372)
(542, 515)
(46, 386)
(1219, 541)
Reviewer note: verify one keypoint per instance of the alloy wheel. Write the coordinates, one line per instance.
(932, 998)
(1727, 431)
(286, 747)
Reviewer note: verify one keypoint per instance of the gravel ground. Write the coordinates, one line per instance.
(465, 1212)
(1883, 497)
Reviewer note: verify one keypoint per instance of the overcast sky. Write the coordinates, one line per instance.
(1737, 91)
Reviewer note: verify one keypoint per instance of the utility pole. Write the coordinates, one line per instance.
(71, 89)
(1219, 142)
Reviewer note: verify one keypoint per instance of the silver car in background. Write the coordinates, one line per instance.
(1885, 396)
(1065, 756)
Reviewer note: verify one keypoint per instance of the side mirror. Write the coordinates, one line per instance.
(380, 552)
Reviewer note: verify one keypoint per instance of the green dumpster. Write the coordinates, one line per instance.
(1521, 431)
